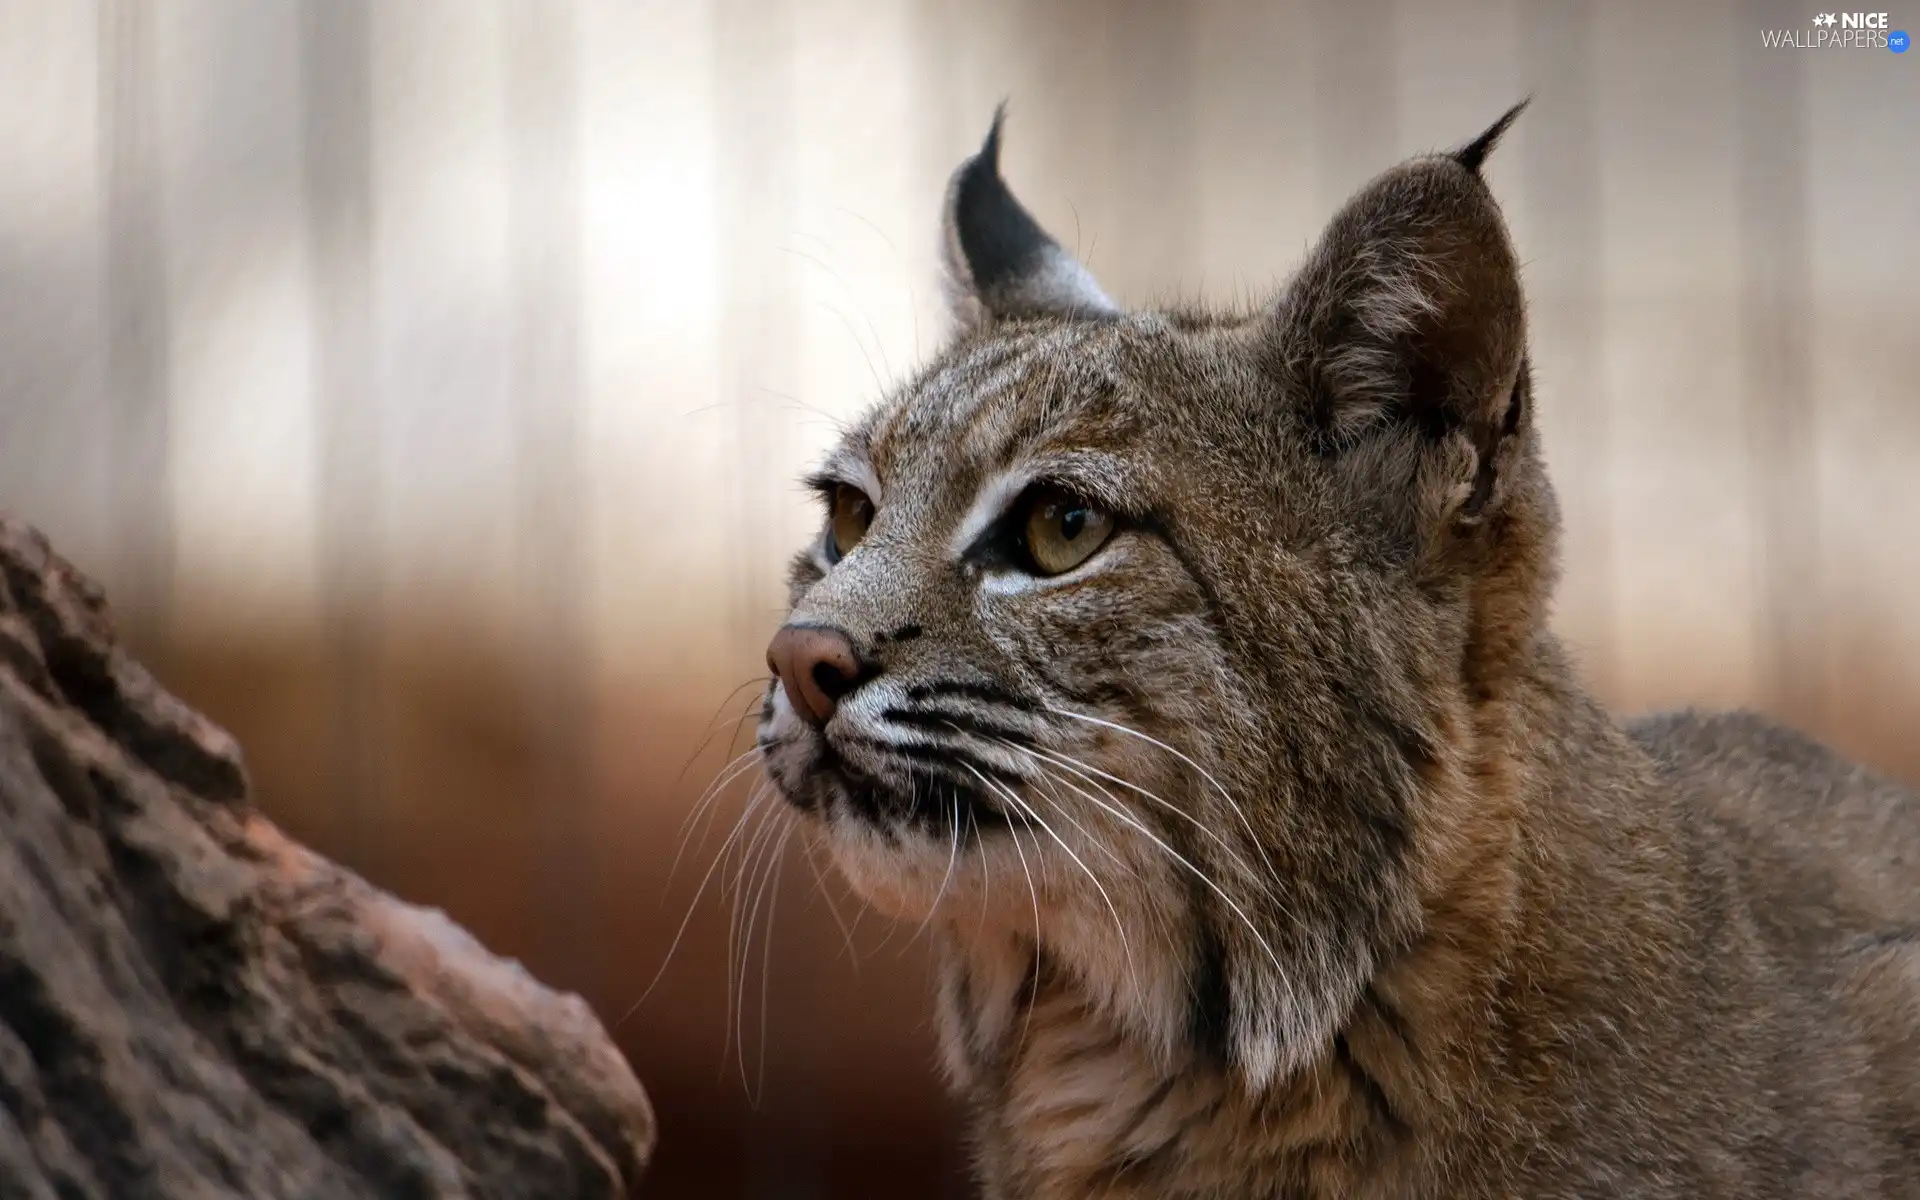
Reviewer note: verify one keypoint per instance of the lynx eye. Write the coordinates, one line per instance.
(1063, 530)
(851, 513)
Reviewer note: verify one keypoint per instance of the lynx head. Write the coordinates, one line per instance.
(1149, 642)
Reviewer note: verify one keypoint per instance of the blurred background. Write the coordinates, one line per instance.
(428, 383)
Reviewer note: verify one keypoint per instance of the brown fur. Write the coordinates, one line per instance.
(1277, 850)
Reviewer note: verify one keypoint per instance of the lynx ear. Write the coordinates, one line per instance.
(1409, 314)
(1000, 263)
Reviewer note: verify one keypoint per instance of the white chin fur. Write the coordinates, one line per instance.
(905, 879)
(1136, 978)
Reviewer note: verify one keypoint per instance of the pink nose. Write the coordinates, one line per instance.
(817, 665)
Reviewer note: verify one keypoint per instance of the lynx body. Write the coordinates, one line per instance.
(1190, 674)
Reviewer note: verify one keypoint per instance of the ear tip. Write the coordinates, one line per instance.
(982, 167)
(1001, 255)
(1474, 153)
(989, 153)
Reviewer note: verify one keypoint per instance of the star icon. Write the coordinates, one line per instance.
(1825, 19)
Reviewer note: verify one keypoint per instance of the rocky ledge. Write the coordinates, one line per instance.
(192, 1005)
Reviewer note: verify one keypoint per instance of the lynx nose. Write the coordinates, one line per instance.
(817, 665)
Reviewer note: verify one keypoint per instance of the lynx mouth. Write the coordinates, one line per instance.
(934, 807)
(927, 800)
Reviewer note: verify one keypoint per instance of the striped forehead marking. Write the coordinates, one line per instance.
(959, 393)
(966, 402)
(933, 421)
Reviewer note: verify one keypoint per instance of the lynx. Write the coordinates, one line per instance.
(1189, 675)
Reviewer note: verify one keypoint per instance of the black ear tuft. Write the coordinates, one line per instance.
(1475, 152)
(1001, 240)
(1000, 263)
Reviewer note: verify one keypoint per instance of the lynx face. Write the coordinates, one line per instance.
(1141, 641)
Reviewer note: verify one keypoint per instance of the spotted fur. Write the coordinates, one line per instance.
(1276, 850)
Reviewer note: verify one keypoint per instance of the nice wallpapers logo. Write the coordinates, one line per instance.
(1839, 31)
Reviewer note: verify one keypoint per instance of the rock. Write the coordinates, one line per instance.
(193, 1005)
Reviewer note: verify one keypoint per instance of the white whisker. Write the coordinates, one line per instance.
(986, 873)
(1084, 770)
(707, 737)
(740, 923)
(1153, 741)
(766, 962)
(1182, 860)
(734, 769)
(1119, 926)
(768, 872)
(1046, 781)
(953, 857)
(1026, 1026)
(753, 799)
(825, 893)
